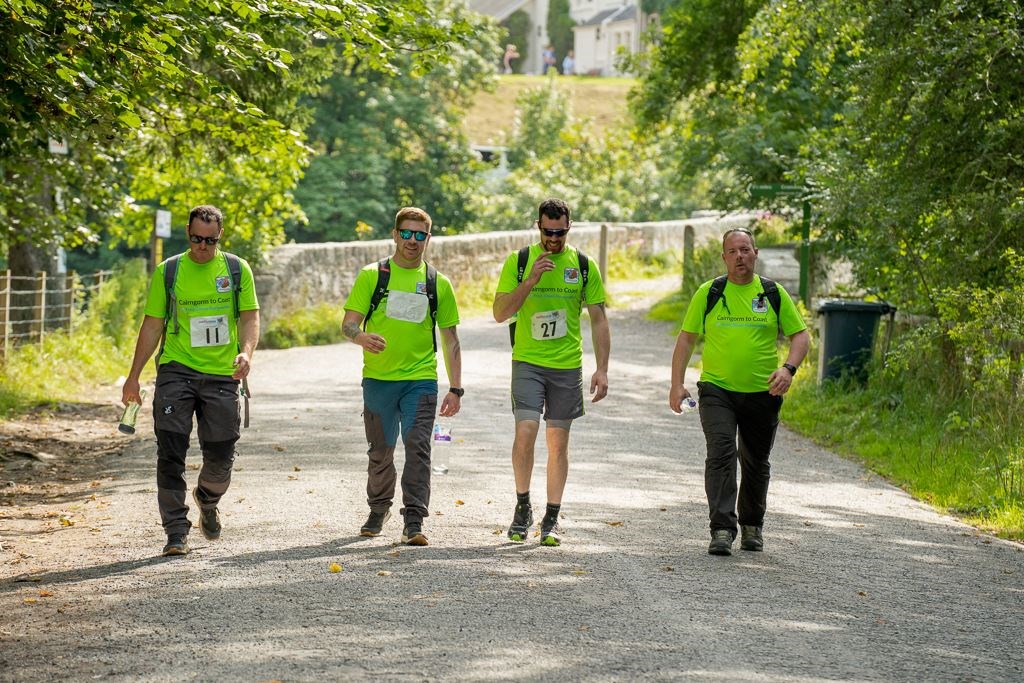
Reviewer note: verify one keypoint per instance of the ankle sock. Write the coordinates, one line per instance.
(523, 498)
(551, 512)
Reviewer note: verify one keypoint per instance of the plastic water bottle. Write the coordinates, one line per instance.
(687, 405)
(130, 415)
(442, 436)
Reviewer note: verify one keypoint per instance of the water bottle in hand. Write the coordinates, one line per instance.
(130, 415)
(687, 405)
(442, 436)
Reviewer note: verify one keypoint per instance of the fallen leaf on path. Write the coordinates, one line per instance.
(30, 601)
(862, 594)
(580, 572)
(292, 477)
(296, 468)
(460, 502)
(66, 521)
(192, 466)
(614, 523)
(498, 531)
(584, 628)
(383, 572)
(668, 568)
(279, 448)
(45, 594)
(335, 567)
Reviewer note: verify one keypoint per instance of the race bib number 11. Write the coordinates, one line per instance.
(549, 325)
(210, 331)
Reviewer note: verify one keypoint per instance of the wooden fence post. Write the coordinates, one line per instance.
(40, 306)
(69, 297)
(5, 313)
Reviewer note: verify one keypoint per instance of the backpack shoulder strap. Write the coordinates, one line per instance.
(714, 294)
(524, 256)
(383, 277)
(584, 275)
(235, 271)
(771, 292)
(432, 301)
(171, 309)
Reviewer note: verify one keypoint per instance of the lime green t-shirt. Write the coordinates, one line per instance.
(207, 337)
(740, 339)
(403, 319)
(548, 323)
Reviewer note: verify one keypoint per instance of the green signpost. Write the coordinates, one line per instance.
(772, 190)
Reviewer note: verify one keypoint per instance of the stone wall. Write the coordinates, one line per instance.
(297, 276)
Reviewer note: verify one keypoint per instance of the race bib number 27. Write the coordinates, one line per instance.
(548, 325)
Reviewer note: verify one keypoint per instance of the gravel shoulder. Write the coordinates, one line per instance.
(858, 581)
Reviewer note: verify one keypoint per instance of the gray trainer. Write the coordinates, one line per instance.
(750, 538)
(721, 542)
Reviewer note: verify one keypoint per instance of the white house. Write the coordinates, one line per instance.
(602, 27)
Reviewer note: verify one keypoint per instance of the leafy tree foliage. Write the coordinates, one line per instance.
(385, 140)
(905, 115)
(177, 102)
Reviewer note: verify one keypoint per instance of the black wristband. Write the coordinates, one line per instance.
(791, 368)
(458, 391)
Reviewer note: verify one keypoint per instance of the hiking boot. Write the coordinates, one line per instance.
(176, 545)
(209, 520)
(721, 542)
(750, 538)
(550, 531)
(522, 520)
(412, 534)
(375, 523)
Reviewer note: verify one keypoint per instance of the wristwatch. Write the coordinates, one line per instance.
(458, 391)
(791, 368)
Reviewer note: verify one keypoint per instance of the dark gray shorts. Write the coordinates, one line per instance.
(181, 392)
(556, 393)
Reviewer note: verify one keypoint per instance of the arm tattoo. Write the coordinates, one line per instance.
(351, 330)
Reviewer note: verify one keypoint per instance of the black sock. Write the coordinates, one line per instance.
(523, 498)
(552, 511)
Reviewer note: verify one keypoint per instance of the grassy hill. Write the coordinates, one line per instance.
(602, 100)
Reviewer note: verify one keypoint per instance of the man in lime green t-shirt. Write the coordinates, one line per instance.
(206, 352)
(400, 369)
(546, 299)
(740, 388)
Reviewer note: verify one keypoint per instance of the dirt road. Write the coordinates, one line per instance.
(858, 581)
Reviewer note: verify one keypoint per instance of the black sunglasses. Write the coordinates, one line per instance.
(554, 233)
(406, 234)
(196, 239)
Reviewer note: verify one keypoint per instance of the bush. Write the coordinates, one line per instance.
(309, 327)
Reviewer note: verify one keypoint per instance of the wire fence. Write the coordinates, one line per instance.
(33, 305)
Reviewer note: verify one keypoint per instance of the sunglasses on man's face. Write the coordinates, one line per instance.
(406, 234)
(554, 233)
(196, 239)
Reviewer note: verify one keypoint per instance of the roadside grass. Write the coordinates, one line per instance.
(911, 440)
(314, 326)
(491, 119)
(70, 364)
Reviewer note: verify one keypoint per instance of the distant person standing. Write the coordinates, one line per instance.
(202, 305)
(548, 55)
(741, 386)
(391, 313)
(511, 53)
(546, 285)
(569, 64)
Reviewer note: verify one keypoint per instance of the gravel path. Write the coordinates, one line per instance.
(858, 582)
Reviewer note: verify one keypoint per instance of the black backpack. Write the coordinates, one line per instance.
(384, 276)
(523, 257)
(171, 276)
(717, 291)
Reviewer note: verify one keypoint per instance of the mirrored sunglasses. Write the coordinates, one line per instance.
(554, 233)
(406, 234)
(196, 239)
